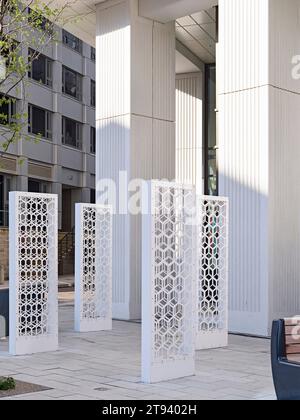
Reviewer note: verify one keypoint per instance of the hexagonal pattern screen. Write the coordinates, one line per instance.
(169, 282)
(93, 282)
(33, 273)
(213, 272)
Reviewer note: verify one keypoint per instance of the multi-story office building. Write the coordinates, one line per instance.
(61, 108)
(61, 111)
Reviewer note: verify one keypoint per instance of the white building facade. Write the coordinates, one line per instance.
(252, 116)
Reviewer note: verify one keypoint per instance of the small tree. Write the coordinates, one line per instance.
(26, 29)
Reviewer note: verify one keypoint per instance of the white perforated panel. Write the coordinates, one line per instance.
(33, 273)
(93, 283)
(212, 272)
(168, 283)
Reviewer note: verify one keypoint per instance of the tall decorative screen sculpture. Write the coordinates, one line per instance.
(168, 295)
(93, 268)
(212, 287)
(33, 273)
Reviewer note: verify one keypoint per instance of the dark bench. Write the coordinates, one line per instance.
(285, 355)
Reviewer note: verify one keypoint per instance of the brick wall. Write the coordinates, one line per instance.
(4, 250)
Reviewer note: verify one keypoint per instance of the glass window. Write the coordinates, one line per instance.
(211, 166)
(93, 93)
(39, 122)
(93, 54)
(71, 133)
(72, 41)
(93, 196)
(35, 186)
(93, 140)
(5, 187)
(9, 51)
(7, 110)
(72, 83)
(40, 68)
(39, 22)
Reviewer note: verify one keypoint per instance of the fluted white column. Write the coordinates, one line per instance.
(259, 158)
(189, 129)
(135, 82)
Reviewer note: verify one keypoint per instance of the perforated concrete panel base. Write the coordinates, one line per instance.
(33, 277)
(168, 298)
(93, 268)
(212, 280)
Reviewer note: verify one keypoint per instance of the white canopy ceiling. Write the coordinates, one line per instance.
(195, 28)
(167, 10)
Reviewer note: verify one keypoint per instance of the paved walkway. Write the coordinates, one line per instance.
(106, 366)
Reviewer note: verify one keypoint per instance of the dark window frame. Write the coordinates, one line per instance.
(45, 24)
(93, 196)
(93, 54)
(5, 52)
(93, 140)
(48, 68)
(93, 93)
(78, 83)
(48, 122)
(71, 41)
(38, 186)
(78, 128)
(5, 188)
(12, 110)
